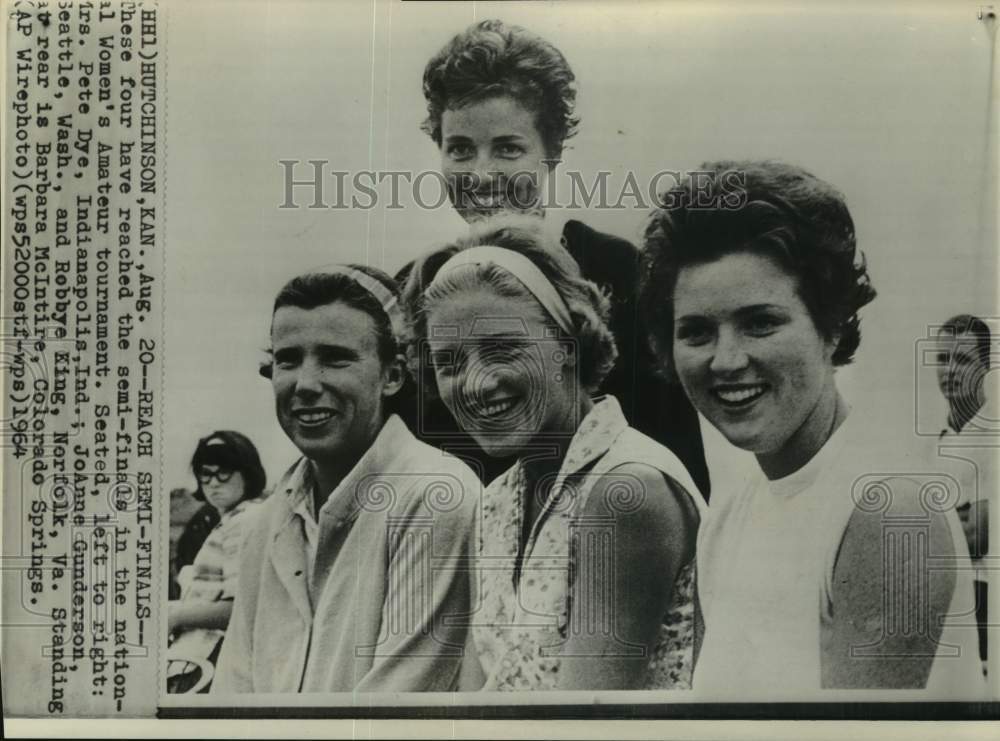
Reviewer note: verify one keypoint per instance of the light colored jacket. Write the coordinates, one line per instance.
(389, 600)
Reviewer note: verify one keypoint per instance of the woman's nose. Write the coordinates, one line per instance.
(484, 170)
(308, 380)
(729, 353)
(479, 379)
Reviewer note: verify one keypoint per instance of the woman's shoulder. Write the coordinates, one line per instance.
(579, 235)
(636, 454)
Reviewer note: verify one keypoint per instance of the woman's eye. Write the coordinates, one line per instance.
(761, 326)
(693, 334)
(510, 151)
(460, 152)
(336, 362)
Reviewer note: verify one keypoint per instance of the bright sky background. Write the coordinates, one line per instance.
(886, 101)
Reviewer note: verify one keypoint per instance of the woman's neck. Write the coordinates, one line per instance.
(330, 472)
(818, 427)
(545, 457)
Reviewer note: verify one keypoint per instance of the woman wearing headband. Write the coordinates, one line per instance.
(583, 574)
(231, 478)
(500, 105)
(833, 567)
(351, 580)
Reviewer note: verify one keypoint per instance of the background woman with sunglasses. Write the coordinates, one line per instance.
(231, 479)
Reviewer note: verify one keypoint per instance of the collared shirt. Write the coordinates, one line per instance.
(310, 528)
(525, 611)
(377, 609)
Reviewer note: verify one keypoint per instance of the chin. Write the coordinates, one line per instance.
(500, 446)
(316, 449)
(749, 440)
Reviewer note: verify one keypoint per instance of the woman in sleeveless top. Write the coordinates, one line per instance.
(584, 565)
(829, 569)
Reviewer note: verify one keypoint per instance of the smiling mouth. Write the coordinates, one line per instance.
(739, 396)
(488, 201)
(495, 409)
(312, 417)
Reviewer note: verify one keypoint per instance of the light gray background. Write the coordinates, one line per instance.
(887, 101)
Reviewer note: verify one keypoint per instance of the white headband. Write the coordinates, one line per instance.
(521, 268)
(385, 297)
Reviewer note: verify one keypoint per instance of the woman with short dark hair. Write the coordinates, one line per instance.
(820, 572)
(231, 479)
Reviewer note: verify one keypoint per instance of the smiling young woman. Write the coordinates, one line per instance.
(505, 330)
(501, 103)
(806, 581)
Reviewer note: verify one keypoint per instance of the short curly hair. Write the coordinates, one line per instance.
(588, 306)
(491, 59)
(764, 206)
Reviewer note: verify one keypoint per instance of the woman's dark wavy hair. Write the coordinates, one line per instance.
(312, 290)
(234, 451)
(489, 59)
(760, 206)
(588, 306)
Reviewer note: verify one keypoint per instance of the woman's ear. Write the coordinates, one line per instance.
(394, 374)
(832, 344)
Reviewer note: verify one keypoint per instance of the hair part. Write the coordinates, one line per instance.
(491, 59)
(768, 207)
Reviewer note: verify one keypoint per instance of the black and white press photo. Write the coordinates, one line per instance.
(500, 360)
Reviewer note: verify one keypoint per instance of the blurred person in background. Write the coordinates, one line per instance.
(963, 363)
(231, 480)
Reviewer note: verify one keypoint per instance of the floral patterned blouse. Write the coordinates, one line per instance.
(524, 612)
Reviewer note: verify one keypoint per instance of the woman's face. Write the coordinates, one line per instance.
(751, 359)
(492, 156)
(500, 371)
(960, 368)
(222, 487)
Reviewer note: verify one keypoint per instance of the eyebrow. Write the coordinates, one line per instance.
(743, 311)
(337, 351)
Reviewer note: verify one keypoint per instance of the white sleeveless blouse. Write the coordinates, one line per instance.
(766, 558)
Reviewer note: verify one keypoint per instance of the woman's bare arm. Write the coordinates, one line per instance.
(624, 579)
